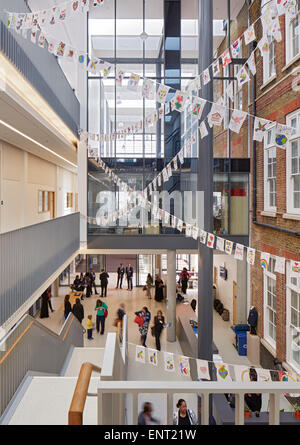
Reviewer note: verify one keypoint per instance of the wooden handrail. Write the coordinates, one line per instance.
(119, 330)
(75, 415)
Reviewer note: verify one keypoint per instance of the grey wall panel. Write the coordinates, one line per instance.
(40, 67)
(29, 256)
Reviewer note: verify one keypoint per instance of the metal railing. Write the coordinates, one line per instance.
(205, 389)
(30, 255)
(30, 346)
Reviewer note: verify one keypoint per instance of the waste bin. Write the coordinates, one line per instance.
(241, 342)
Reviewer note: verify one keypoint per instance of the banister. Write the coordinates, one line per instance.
(119, 330)
(75, 414)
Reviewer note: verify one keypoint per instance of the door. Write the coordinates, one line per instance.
(234, 305)
(52, 204)
(215, 276)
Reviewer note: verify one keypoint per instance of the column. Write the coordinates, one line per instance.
(171, 295)
(82, 190)
(241, 310)
(158, 264)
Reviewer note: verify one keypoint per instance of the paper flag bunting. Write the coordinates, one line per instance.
(173, 221)
(203, 236)
(241, 374)
(169, 362)
(249, 35)
(286, 376)
(228, 247)
(51, 46)
(242, 76)
(161, 112)
(165, 175)
(226, 58)
(264, 260)
(250, 255)
(198, 106)
(166, 218)
(184, 366)
(229, 91)
(263, 375)
(188, 229)
(266, 21)
(180, 156)
(210, 240)
(152, 356)
(107, 69)
(239, 252)
(216, 67)
(159, 179)
(237, 120)
(279, 265)
(133, 82)
(251, 63)
(260, 128)
(175, 164)
(282, 134)
(195, 232)
(179, 100)
(179, 225)
(216, 115)
(295, 269)
(203, 130)
(140, 354)
(203, 370)
(275, 30)
(148, 89)
(220, 243)
(206, 76)
(42, 40)
(264, 46)
(236, 49)
(162, 93)
(222, 372)
(119, 77)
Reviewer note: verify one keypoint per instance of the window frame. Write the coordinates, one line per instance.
(267, 274)
(269, 75)
(69, 200)
(269, 145)
(289, 175)
(289, 57)
(289, 288)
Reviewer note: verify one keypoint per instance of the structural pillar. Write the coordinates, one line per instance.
(171, 295)
(205, 184)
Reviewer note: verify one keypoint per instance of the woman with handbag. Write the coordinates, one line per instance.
(149, 284)
(159, 322)
(101, 309)
(159, 286)
(143, 319)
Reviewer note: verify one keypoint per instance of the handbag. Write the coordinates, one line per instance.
(139, 320)
(105, 313)
(145, 288)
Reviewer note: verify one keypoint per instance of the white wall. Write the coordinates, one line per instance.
(22, 175)
(225, 287)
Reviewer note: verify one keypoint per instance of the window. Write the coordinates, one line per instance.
(69, 203)
(43, 201)
(270, 172)
(238, 93)
(40, 201)
(292, 38)
(270, 304)
(269, 60)
(293, 320)
(293, 165)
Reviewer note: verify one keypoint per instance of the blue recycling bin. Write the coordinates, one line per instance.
(241, 342)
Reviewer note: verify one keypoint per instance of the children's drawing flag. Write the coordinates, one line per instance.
(237, 120)
(107, 69)
(216, 115)
(229, 91)
(282, 135)
(42, 40)
(286, 376)
(263, 375)
(33, 35)
(198, 106)
(188, 229)
(203, 130)
(133, 82)
(165, 175)
(222, 372)
(279, 265)
(226, 58)
(264, 260)
(228, 247)
(249, 35)
(179, 225)
(242, 76)
(239, 252)
(241, 374)
(295, 269)
(206, 76)
(180, 156)
(276, 30)
(264, 46)
(195, 232)
(180, 100)
(210, 240)
(119, 77)
(148, 89)
(152, 356)
(203, 370)
(250, 255)
(251, 63)
(203, 236)
(236, 49)
(175, 163)
(220, 243)
(216, 67)
(162, 93)
(184, 366)
(140, 354)
(169, 362)
(260, 128)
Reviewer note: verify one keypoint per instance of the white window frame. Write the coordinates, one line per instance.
(238, 93)
(289, 175)
(268, 72)
(267, 274)
(269, 144)
(289, 56)
(290, 332)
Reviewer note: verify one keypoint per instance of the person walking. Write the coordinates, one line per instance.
(104, 282)
(145, 416)
(120, 273)
(67, 306)
(145, 326)
(121, 312)
(159, 289)
(149, 284)
(184, 278)
(93, 281)
(159, 323)
(45, 305)
(100, 309)
(78, 310)
(129, 275)
(184, 416)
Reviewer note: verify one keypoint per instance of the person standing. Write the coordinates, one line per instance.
(78, 310)
(44, 306)
(104, 282)
(159, 323)
(88, 283)
(184, 278)
(89, 327)
(253, 401)
(145, 326)
(159, 289)
(149, 284)
(100, 309)
(67, 306)
(129, 275)
(120, 273)
(93, 280)
(184, 416)
(49, 299)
